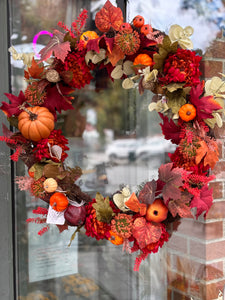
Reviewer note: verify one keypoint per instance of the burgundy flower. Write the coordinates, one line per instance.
(181, 67)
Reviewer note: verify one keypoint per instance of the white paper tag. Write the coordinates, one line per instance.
(55, 217)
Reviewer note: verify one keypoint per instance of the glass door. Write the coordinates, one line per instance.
(116, 142)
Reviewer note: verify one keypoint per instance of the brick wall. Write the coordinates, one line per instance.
(196, 251)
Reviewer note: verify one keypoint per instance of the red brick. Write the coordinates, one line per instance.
(216, 50)
(179, 282)
(211, 68)
(169, 294)
(202, 231)
(179, 296)
(213, 271)
(186, 266)
(214, 230)
(219, 132)
(197, 271)
(212, 289)
(198, 249)
(177, 243)
(217, 189)
(219, 168)
(216, 211)
(215, 250)
(197, 290)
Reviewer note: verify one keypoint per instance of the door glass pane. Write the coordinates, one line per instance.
(116, 141)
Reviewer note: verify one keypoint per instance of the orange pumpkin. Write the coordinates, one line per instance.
(138, 21)
(143, 59)
(157, 211)
(146, 29)
(115, 238)
(187, 112)
(88, 35)
(36, 123)
(59, 201)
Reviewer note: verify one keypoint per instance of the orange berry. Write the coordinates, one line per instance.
(138, 21)
(146, 29)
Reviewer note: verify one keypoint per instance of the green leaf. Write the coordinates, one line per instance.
(174, 86)
(104, 212)
(37, 168)
(175, 103)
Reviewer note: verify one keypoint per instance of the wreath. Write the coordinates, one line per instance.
(143, 58)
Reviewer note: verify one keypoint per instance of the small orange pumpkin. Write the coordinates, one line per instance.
(115, 238)
(138, 21)
(143, 59)
(50, 185)
(36, 123)
(157, 211)
(187, 112)
(146, 29)
(88, 35)
(59, 201)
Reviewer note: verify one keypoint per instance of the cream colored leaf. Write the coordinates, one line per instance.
(128, 84)
(188, 30)
(89, 55)
(120, 199)
(117, 72)
(214, 85)
(186, 44)
(152, 76)
(127, 67)
(99, 56)
(174, 86)
(25, 57)
(152, 106)
(159, 106)
(219, 120)
(177, 33)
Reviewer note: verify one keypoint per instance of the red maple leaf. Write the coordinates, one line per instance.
(56, 45)
(173, 181)
(205, 106)
(58, 99)
(109, 16)
(181, 206)
(147, 194)
(146, 232)
(102, 42)
(13, 108)
(203, 202)
(170, 130)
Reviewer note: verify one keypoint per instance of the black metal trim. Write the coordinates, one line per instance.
(123, 5)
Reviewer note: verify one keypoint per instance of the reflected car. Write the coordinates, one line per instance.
(156, 146)
(122, 149)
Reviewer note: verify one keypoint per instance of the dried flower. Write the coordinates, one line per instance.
(55, 138)
(128, 43)
(75, 62)
(34, 95)
(182, 66)
(122, 225)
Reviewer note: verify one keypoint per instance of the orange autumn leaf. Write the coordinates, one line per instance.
(109, 16)
(115, 55)
(208, 153)
(35, 70)
(133, 204)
